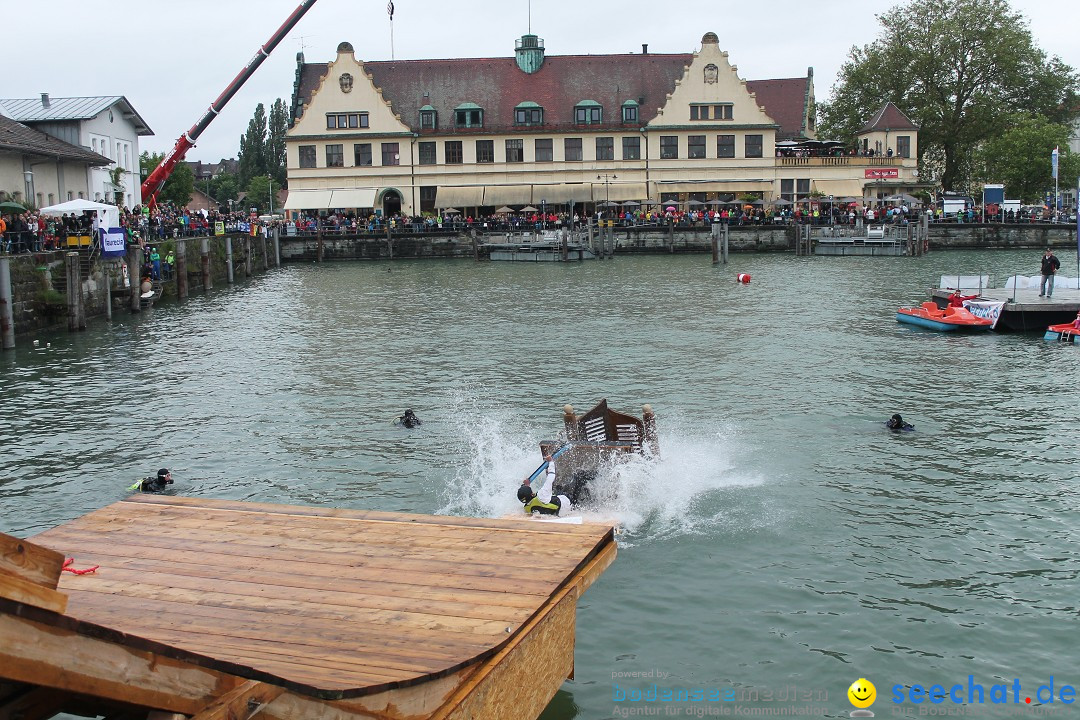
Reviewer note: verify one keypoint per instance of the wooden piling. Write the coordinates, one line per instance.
(565, 252)
(181, 270)
(7, 313)
(76, 317)
(570, 422)
(247, 256)
(266, 255)
(134, 261)
(277, 247)
(652, 440)
(208, 282)
(475, 245)
(318, 239)
(715, 243)
(671, 236)
(229, 260)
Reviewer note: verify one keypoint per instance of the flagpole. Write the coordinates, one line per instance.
(390, 10)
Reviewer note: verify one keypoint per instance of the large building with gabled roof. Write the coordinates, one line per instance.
(477, 134)
(39, 170)
(106, 125)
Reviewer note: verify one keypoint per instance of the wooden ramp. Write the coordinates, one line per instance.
(204, 607)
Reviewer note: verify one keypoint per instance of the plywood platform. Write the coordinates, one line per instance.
(1024, 310)
(323, 603)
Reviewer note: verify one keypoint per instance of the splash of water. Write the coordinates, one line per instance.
(683, 491)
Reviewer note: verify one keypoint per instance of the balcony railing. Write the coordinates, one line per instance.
(841, 161)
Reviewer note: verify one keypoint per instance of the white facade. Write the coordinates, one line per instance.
(117, 138)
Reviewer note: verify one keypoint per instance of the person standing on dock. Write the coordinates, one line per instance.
(1050, 265)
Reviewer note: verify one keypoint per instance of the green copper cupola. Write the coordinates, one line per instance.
(530, 53)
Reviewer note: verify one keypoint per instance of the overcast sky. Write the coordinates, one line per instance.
(172, 59)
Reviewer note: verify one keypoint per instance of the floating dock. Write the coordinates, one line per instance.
(1023, 310)
(218, 609)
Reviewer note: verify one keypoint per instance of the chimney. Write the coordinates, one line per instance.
(644, 48)
(45, 100)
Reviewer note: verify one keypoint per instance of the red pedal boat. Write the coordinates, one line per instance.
(950, 319)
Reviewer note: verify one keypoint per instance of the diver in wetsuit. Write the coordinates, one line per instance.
(897, 423)
(408, 420)
(542, 501)
(155, 483)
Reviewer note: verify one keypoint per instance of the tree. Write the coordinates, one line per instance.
(179, 186)
(258, 194)
(253, 148)
(275, 144)
(958, 69)
(1019, 158)
(224, 187)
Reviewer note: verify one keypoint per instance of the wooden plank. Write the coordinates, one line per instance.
(441, 571)
(39, 654)
(14, 587)
(524, 525)
(30, 561)
(241, 703)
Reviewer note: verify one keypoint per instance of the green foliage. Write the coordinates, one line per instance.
(225, 187)
(958, 68)
(253, 150)
(180, 185)
(275, 144)
(1019, 158)
(50, 302)
(258, 194)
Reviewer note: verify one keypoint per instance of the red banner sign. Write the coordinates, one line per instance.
(881, 173)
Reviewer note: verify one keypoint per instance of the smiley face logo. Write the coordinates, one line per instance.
(862, 693)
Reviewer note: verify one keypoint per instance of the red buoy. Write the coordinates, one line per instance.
(744, 278)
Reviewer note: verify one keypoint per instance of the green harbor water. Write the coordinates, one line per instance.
(784, 545)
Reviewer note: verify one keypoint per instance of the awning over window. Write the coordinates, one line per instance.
(496, 195)
(353, 198)
(721, 186)
(460, 197)
(561, 193)
(621, 192)
(308, 199)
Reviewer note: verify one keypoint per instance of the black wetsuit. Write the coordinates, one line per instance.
(154, 484)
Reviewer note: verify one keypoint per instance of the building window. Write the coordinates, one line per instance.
(335, 156)
(590, 114)
(725, 146)
(469, 117)
(572, 149)
(515, 151)
(427, 197)
(605, 148)
(346, 121)
(695, 147)
(361, 154)
(629, 113)
(699, 112)
(802, 187)
(753, 146)
(544, 150)
(307, 156)
(723, 112)
(903, 146)
(787, 190)
(390, 155)
(669, 147)
(528, 115)
(485, 151)
(427, 153)
(427, 120)
(453, 152)
(631, 148)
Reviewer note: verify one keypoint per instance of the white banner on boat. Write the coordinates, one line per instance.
(987, 310)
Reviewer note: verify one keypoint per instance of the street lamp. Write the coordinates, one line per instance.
(543, 215)
(28, 176)
(607, 187)
(271, 179)
(207, 176)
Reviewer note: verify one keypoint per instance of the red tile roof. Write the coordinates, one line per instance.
(497, 85)
(889, 117)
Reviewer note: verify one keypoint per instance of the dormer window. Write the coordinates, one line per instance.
(469, 115)
(528, 113)
(588, 112)
(346, 121)
(428, 118)
(629, 112)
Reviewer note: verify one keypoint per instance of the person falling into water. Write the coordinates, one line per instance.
(542, 501)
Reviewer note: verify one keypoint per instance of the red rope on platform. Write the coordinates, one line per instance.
(68, 568)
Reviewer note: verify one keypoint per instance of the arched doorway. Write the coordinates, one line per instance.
(391, 203)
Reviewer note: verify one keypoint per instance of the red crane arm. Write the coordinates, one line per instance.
(152, 185)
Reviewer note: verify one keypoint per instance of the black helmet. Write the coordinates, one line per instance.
(162, 472)
(897, 418)
(525, 493)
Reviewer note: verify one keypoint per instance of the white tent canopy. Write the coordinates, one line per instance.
(108, 216)
(75, 206)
